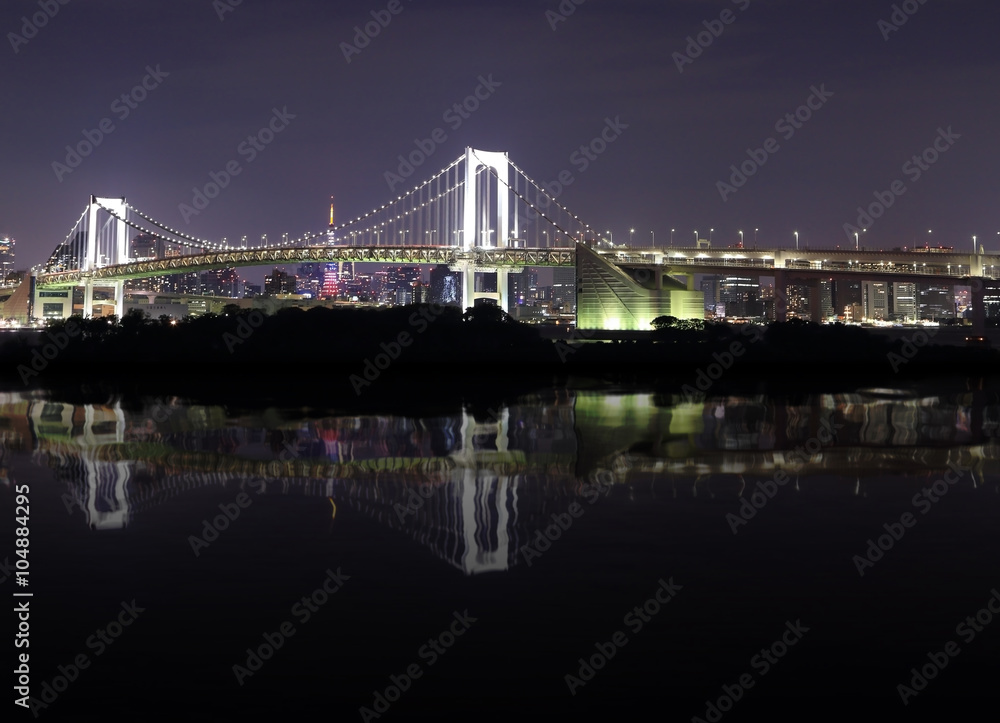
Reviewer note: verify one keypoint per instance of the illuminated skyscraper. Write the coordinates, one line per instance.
(876, 300)
(904, 301)
(331, 272)
(331, 281)
(6, 257)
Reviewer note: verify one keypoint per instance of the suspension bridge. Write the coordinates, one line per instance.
(481, 214)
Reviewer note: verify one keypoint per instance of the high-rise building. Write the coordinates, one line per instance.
(741, 296)
(826, 299)
(445, 286)
(7, 268)
(146, 247)
(279, 282)
(936, 301)
(331, 281)
(710, 287)
(991, 298)
(564, 288)
(221, 282)
(904, 301)
(846, 295)
(877, 301)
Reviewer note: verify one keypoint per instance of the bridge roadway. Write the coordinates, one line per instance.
(918, 264)
(478, 258)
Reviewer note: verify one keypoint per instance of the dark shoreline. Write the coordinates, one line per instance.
(423, 357)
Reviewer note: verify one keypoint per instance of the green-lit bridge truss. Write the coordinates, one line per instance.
(479, 258)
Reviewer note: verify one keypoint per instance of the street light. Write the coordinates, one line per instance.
(755, 237)
(857, 242)
(672, 236)
(974, 247)
(653, 234)
(741, 239)
(612, 237)
(696, 237)
(796, 240)
(631, 231)
(710, 232)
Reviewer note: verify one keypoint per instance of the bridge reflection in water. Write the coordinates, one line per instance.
(475, 490)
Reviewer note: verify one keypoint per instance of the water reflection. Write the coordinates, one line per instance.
(475, 489)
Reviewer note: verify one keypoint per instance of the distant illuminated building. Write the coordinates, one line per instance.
(936, 301)
(741, 296)
(564, 288)
(904, 301)
(991, 298)
(331, 281)
(331, 272)
(445, 286)
(876, 300)
(146, 247)
(221, 282)
(6, 257)
(278, 283)
(710, 288)
(826, 299)
(798, 302)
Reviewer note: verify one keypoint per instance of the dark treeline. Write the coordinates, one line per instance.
(354, 353)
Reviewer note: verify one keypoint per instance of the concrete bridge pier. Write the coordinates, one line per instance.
(88, 299)
(978, 294)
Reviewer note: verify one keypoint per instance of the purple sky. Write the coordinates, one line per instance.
(556, 89)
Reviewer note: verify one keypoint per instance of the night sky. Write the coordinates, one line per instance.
(554, 91)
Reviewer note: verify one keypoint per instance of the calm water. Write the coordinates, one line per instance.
(459, 567)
